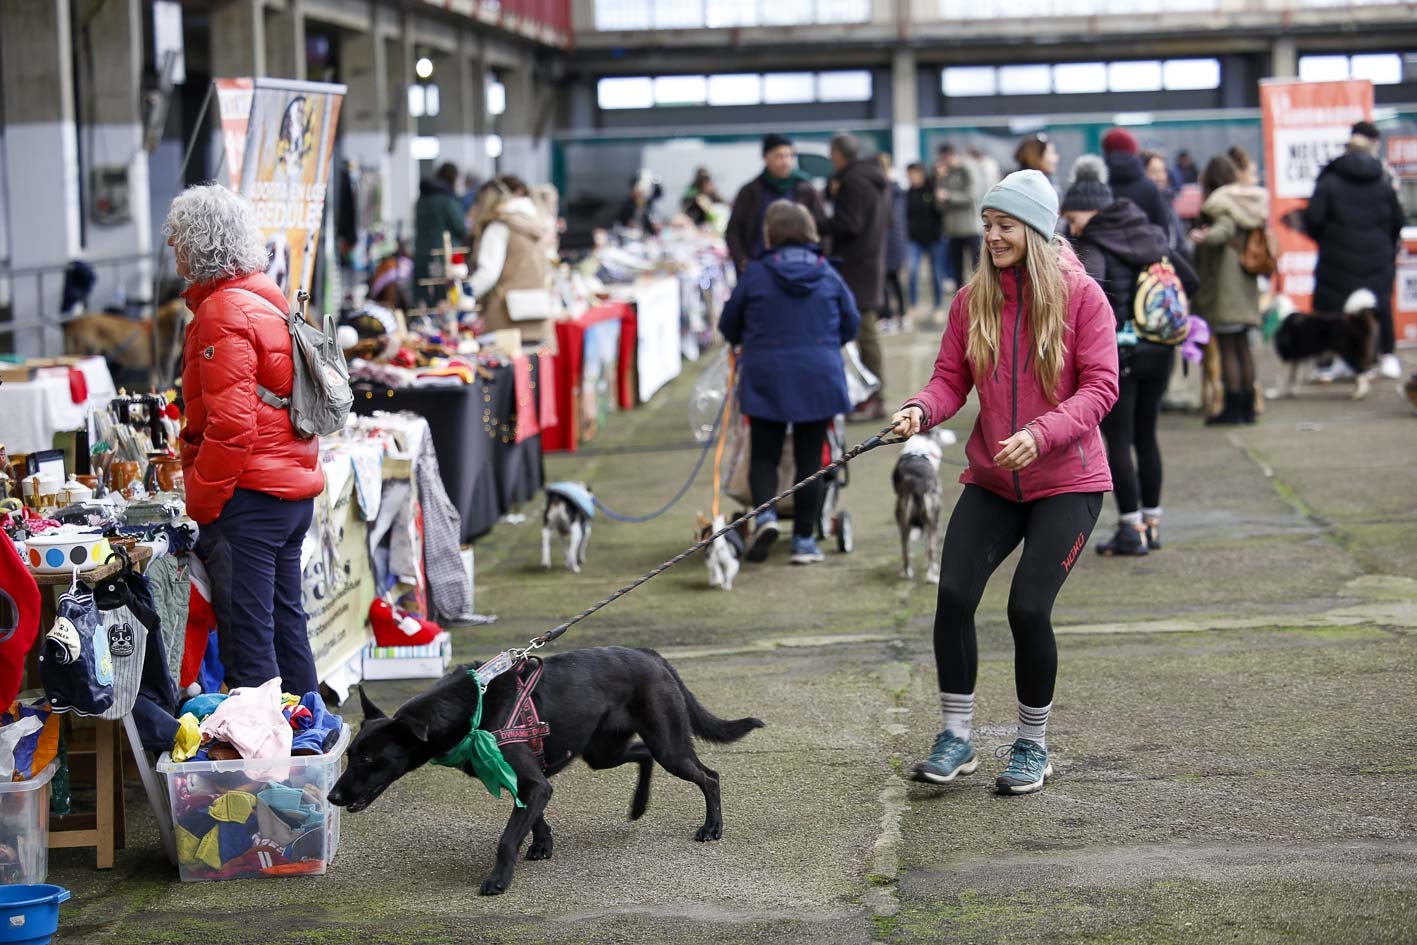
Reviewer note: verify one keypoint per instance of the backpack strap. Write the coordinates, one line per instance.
(267, 396)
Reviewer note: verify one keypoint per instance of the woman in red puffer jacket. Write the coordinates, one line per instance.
(250, 480)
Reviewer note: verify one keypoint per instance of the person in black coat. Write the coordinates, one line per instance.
(781, 179)
(1116, 242)
(924, 226)
(1356, 218)
(1126, 175)
(861, 214)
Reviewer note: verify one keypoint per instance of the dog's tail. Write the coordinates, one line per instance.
(705, 724)
(1361, 300)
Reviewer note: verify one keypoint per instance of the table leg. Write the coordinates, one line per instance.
(104, 764)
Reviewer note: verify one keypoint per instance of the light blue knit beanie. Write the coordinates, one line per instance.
(1026, 196)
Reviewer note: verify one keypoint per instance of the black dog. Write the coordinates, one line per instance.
(596, 701)
(1353, 336)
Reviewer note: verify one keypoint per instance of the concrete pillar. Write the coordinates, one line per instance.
(285, 41)
(905, 112)
(364, 116)
(238, 44)
(403, 169)
(1284, 59)
(113, 152)
(462, 122)
(523, 153)
(40, 165)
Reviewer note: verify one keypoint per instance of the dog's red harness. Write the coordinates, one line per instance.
(524, 726)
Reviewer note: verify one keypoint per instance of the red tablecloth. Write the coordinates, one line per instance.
(570, 345)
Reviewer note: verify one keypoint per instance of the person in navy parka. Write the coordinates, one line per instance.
(791, 314)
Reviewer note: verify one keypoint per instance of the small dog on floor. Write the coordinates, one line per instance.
(724, 555)
(918, 503)
(611, 705)
(569, 508)
(1352, 336)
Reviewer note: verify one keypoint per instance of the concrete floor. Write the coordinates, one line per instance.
(1232, 733)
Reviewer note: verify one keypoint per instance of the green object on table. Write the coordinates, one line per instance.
(481, 751)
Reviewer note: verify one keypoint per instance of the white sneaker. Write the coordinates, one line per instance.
(1390, 367)
(1337, 370)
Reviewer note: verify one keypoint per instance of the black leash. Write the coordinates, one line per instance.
(538, 642)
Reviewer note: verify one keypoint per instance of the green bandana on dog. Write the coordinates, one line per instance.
(480, 750)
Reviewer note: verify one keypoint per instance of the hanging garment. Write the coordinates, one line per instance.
(76, 666)
(19, 618)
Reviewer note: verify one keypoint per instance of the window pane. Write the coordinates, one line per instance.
(1381, 68)
(623, 15)
(415, 101)
(843, 11)
(636, 92)
(1025, 80)
(788, 12)
(784, 88)
(678, 14)
(1076, 78)
(432, 101)
(1181, 74)
(1141, 76)
(720, 13)
(1323, 68)
(743, 89)
(680, 90)
(854, 86)
(960, 81)
(496, 97)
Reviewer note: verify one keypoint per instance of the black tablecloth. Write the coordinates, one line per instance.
(485, 472)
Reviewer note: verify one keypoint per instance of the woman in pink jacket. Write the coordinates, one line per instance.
(1035, 337)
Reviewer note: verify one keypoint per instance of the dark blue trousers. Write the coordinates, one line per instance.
(252, 554)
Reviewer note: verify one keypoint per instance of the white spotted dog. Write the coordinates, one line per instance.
(569, 508)
(724, 555)
(918, 503)
(1351, 336)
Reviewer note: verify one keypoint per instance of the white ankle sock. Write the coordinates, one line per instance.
(1151, 513)
(1131, 518)
(958, 709)
(1033, 723)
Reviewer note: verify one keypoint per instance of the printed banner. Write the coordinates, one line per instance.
(1306, 125)
(233, 101)
(657, 357)
(285, 172)
(336, 581)
(1402, 158)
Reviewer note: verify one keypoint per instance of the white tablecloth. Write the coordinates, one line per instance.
(31, 412)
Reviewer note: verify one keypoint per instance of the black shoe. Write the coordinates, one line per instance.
(1128, 542)
(1247, 406)
(1153, 534)
(1230, 415)
(763, 537)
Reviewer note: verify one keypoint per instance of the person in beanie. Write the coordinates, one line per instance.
(1033, 336)
(791, 312)
(1126, 175)
(1229, 297)
(780, 180)
(1355, 217)
(861, 215)
(1116, 243)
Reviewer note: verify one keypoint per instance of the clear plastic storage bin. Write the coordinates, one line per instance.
(24, 828)
(245, 818)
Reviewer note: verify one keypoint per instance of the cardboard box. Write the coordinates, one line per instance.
(409, 662)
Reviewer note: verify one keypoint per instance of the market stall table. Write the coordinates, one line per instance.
(48, 402)
(571, 366)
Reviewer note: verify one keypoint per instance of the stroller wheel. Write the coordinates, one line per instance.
(845, 535)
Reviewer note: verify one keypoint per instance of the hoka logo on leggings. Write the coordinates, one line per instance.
(1072, 557)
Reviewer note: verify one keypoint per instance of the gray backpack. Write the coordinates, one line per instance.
(320, 396)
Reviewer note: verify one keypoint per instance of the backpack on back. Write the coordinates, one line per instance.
(1160, 311)
(320, 395)
(1259, 253)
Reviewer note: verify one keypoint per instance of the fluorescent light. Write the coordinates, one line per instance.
(497, 97)
(417, 101)
(494, 146)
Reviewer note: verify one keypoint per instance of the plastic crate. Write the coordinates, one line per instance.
(250, 818)
(24, 828)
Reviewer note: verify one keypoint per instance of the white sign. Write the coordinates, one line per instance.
(1299, 155)
(658, 359)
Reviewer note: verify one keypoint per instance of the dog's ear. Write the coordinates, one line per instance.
(371, 711)
(418, 728)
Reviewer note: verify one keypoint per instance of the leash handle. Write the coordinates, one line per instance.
(865, 446)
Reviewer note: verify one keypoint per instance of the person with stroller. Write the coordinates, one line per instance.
(1033, 335)
(791, 313)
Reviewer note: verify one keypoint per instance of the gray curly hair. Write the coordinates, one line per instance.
(216, 231)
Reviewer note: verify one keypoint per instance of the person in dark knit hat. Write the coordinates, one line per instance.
(1127, 175)
(1116, 242)
(780, 180)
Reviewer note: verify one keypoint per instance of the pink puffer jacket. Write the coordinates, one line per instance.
(1071, 454)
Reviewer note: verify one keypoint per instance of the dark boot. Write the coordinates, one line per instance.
(1230, 415)
(1128, 542)
(1247, 406)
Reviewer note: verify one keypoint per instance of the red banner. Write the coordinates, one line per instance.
(233, 98)
(1306, 125)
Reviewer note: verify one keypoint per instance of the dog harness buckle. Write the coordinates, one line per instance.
(524, 725)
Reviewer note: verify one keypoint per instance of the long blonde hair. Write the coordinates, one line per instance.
(1047, 312)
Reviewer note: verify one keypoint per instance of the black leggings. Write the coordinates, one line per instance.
(983, 531)
(895, 295)
(960, 246)
(765, 442)
(1132, 424)
(1237, 362)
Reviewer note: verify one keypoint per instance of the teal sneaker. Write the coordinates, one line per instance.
(1028, 767)
(951, 757)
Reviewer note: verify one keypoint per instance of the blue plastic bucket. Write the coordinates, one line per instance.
(29, 913)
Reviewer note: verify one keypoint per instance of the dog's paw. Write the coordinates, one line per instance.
(492, 886)
(539, 850)
(709, 832)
